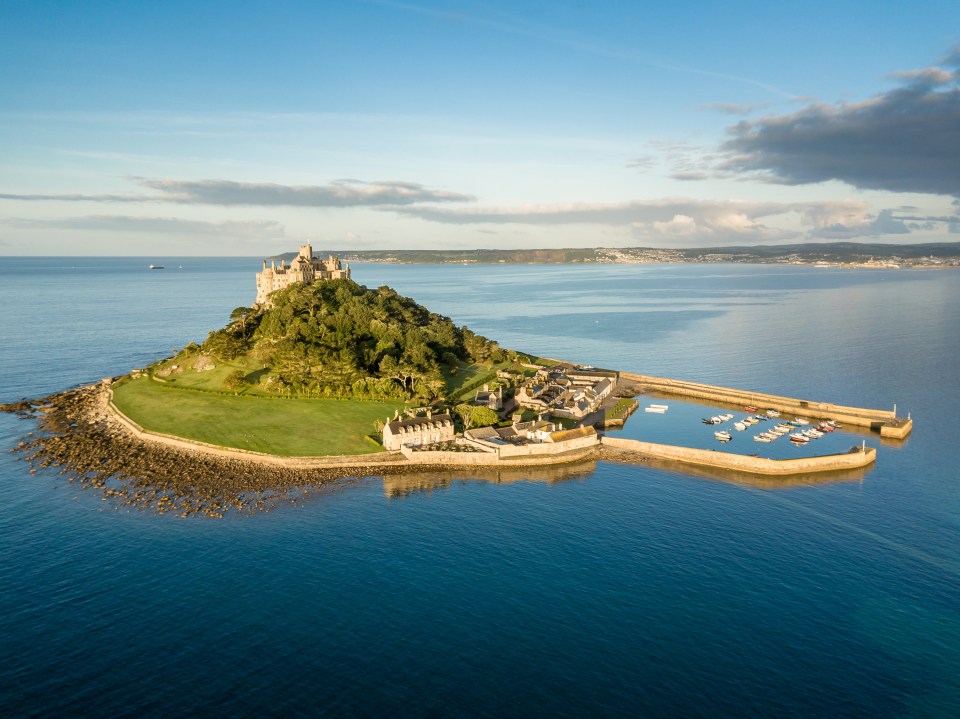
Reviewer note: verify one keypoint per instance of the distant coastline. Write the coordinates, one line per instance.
(941, 255)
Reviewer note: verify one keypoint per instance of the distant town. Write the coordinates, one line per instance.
(832, 254)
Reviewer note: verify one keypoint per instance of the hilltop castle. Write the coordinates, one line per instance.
(303, 268)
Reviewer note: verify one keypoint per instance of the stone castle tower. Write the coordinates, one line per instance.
(303, 268)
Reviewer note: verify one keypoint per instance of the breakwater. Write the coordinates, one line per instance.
(884, 421)
(856, 457)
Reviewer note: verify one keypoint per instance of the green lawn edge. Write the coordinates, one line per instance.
(289, 427)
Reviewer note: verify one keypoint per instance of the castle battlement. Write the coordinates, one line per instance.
(303, 268)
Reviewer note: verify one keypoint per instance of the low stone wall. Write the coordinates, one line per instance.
(546, 449)
(859, 416)
(333, 461)
(744, 463)
(491, 459)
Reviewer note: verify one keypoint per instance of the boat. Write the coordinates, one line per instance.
(740, 426)
(725, 417)
(772, 413)
(657, 410)
(723, 436)
(156, 267)
(660, 406)
(711, 420)
(799, 438)
(801, 422)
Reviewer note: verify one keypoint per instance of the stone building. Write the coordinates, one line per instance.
(417, 431)
(491, 399)
(303, 268)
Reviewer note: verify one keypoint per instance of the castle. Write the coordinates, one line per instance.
(304, 268)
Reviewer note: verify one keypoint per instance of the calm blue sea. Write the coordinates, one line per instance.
(612, 591)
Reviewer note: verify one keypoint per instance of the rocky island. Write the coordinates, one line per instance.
(323, 378)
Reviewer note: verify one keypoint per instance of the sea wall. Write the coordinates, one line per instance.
(541, 453)
(492, 459)
(359, 460)
(859, 416)
(856, 457)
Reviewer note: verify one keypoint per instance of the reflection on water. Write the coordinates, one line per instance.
(404, 485)
(760, 481)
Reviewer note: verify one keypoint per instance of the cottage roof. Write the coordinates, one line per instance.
(568, 434)
(419, 424)
(602, 385)
(482, 433)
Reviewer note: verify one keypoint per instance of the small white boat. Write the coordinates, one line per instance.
(723, 436)
(799, 438)
(660, 406)
(725, 417)
(156, 267)
(656, 410)
(772, 413)
(800, 421)
(740, 426)
(760, 438)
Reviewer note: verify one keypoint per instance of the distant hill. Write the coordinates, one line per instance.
(806, 252)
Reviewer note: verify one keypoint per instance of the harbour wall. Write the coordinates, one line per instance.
(856, 457)
(507, 453)
(885, 421)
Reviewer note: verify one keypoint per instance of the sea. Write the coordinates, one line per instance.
(596, 590)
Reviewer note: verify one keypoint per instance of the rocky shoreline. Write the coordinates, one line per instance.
(78, 435)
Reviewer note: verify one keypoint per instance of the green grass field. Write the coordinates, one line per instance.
(288, 427)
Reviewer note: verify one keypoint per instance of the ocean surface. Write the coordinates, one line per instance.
(598, 590)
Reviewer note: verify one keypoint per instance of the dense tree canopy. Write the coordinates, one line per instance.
(338, 338)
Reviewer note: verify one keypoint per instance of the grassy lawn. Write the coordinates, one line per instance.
(289, 427)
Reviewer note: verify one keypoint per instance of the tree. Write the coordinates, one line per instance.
(476, 416)
(241, 316)
(235, 380)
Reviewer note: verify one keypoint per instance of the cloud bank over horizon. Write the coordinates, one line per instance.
(904, 140)
(339, 193)
(569, 134)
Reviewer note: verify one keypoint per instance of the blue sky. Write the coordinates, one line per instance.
(246, 128)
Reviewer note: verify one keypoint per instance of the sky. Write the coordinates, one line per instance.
(248, 128)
